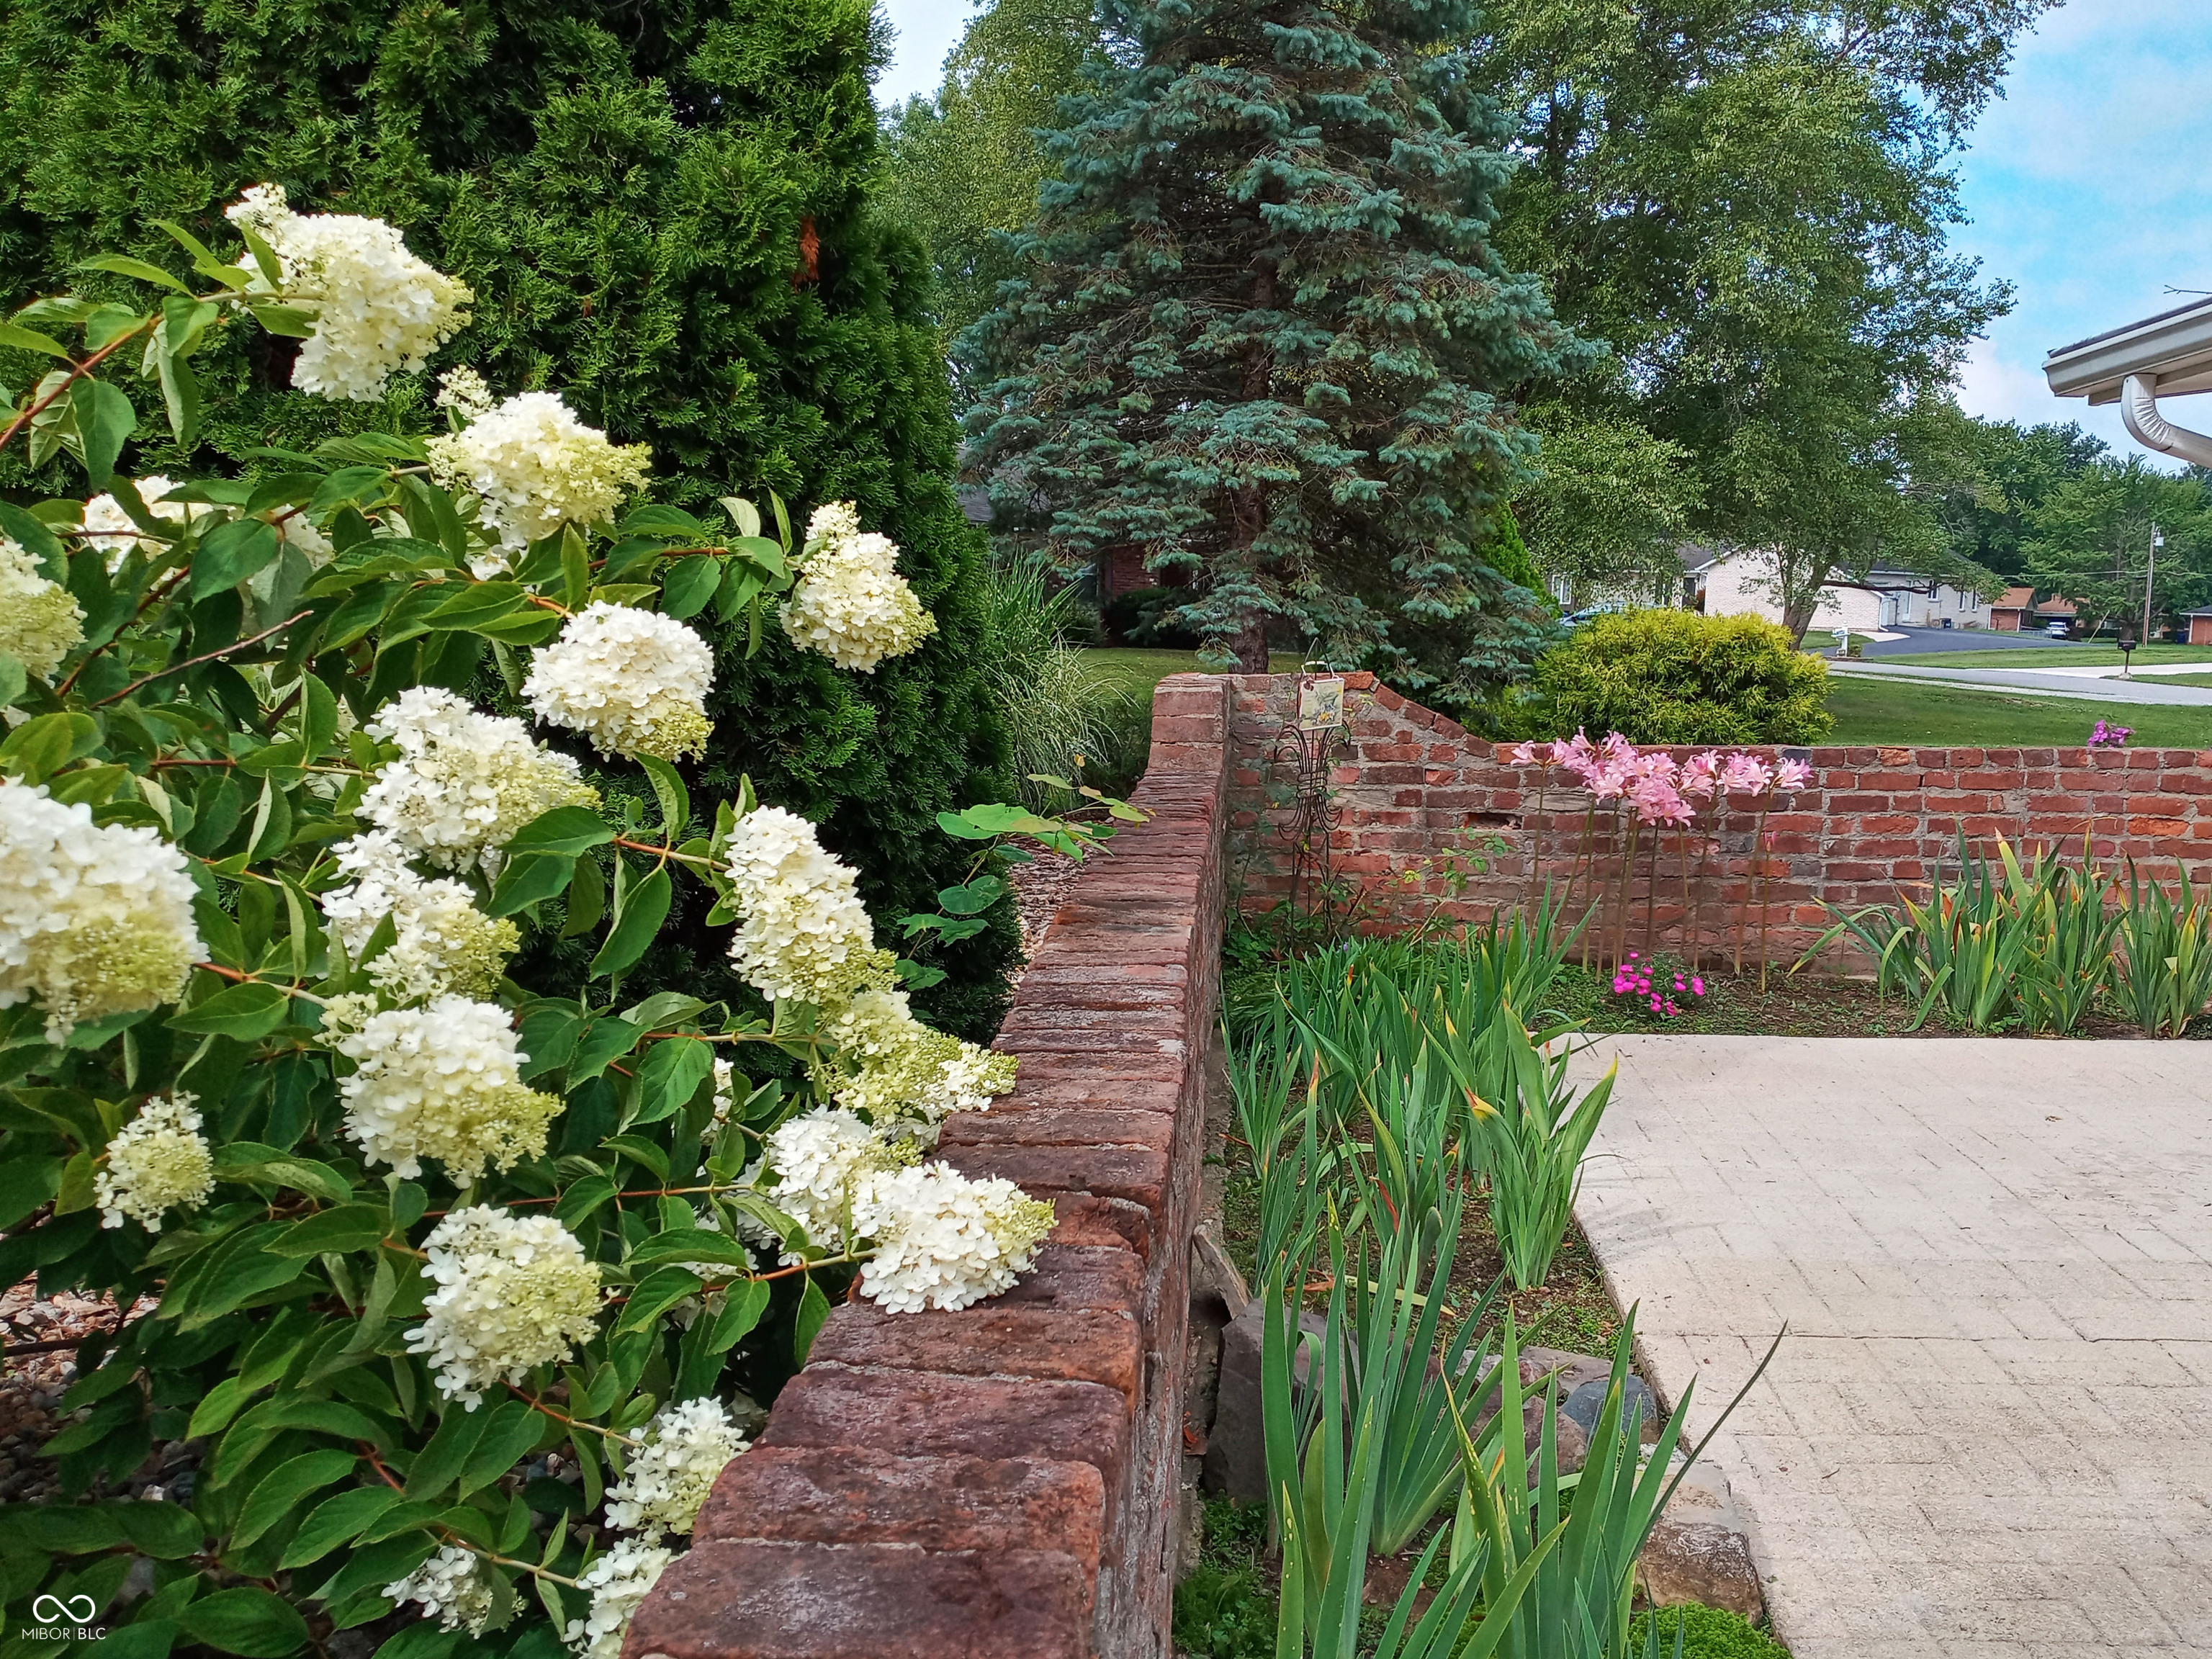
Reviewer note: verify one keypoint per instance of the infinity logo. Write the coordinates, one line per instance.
(52, 1610)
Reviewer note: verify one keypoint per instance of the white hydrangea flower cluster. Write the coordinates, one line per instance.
(465, 781)
(462, 390)
(158, 1161)
(803, 933)
(849, 601)
(452, 1588)
(940, 1240)
(443, 943)
(93, 920)
(617, 1581)
(686, 1448)
(537, 467)
(823, 1162)
(634, 682)
(107, 527)
(442, 1082)
(944, 1240)
(905, 1070)
(379, 309)
(514, 1292)
(40, 622)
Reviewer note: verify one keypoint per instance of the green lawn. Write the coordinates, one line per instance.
(1938, 716)
(2177, 679)
(1915, 711)
(1136, 673)
(2051, 656)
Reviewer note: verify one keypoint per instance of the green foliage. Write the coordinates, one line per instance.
(666, 217)
(2038, 944)
(2164, 972)
(2091, 542)
(376, 1298)
(1255, 397)
(965, 166)
(1144, 616)
(1223, 1608)
(1750, 204)
(1057, 716)
(1611, 506)
(1991, 518)
(1699, 1632)
(1677, 677)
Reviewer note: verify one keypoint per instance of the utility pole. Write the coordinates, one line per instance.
(2150, 566)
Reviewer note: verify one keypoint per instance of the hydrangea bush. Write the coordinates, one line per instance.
(440, 1284)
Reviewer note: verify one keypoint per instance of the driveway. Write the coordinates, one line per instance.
(1988, 1432)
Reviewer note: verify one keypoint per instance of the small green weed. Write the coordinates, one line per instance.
(1225, 1609)
(1707, 1634)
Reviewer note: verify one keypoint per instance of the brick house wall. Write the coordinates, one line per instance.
(999, 1483)
(1412, 786)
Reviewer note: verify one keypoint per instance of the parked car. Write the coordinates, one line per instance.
(1592, 613)
(2058, 630)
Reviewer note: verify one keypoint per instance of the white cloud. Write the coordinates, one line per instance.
(2084, 187)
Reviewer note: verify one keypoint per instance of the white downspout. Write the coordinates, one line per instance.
(2139, 409)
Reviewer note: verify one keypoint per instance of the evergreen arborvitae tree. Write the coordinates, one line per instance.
(663, 211)
(1262, 333)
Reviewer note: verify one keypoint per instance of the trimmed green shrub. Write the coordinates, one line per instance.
(1706, 1632)
(1677, 677)
(665, 215)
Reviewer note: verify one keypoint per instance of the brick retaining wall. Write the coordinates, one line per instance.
(1410, 784)
(1000, 1483)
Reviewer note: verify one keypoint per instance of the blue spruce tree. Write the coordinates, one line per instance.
(1260, 333)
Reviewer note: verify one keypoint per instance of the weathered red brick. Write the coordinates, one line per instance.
(1026, 1342)
(865, 1601)
(855, 1495)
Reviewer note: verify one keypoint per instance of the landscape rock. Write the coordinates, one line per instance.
(1237, 1447)
(1706, 1561)
(1584, 1404)
(1574, 1368)
(1700, 1549)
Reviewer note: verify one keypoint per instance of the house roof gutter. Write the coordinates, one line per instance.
(2170, 353)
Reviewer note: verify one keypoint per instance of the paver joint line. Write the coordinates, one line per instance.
(1990, 1430)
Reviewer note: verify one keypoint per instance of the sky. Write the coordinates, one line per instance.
(2083, 186)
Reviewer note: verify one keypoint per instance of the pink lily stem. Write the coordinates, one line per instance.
(1682, 851)
(1704, 863)
(1651, 889)
(1536, 839)
(1764, 888)
(1626, 908)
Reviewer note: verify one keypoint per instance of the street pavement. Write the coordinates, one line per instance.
(2054, 683)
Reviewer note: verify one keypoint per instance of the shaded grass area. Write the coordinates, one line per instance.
(2052, 656)
(1934, 716)
(1134, 671)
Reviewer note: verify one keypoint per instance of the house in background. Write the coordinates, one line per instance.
(1743, 583)
(2200, 625)
(2018, 611)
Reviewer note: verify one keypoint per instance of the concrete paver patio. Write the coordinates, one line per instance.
(1990, 1430)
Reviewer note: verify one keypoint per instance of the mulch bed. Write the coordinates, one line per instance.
(1792, 1005)
(38, 1362)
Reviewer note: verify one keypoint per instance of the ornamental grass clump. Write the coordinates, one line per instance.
(443, 1287)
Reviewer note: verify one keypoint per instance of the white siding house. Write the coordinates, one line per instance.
(1743, 583)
